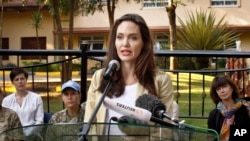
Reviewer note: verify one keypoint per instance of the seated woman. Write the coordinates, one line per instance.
(63, 121)
(73, 111)
(230, 110)
(27, 104)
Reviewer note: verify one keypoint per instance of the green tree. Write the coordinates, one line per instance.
(111, 11)
(202, 32)
(2, 2)
(170, 8)
(111, 5)
(37, 19)
(55, 12)
(69, 8)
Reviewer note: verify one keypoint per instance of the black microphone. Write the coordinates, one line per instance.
(125, 122)
(155, 106)
(114, 65)
(128, 119)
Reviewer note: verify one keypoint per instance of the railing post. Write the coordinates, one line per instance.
(84, 46)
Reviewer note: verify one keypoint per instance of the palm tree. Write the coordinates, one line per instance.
(201, 32)
(37, 18)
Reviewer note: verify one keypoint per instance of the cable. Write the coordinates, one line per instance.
(114, 119)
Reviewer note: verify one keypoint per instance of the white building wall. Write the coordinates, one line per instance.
(158, 16)
(17, 25)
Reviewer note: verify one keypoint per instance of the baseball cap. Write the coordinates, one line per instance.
(71, 84)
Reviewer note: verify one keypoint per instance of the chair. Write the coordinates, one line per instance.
(47, 117)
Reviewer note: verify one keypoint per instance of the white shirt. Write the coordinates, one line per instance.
(128, 98)
(30, 112)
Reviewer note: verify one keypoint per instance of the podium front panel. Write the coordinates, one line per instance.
(132, 132)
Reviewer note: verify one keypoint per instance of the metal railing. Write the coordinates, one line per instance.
(184, 94)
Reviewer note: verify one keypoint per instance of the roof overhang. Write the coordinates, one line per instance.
(95, 30)
(240, 28)
(154, 29)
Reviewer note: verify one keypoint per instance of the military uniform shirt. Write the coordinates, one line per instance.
(65, 127)
(63, 116)
(8, 119)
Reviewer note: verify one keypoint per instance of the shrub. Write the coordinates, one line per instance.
(40, 67)
(10, 65)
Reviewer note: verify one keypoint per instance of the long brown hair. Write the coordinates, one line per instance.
(145, 63)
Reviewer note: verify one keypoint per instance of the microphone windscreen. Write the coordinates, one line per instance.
(114, 119)
(126, 119)
(129, 126)
(116, 63)
(150, 103)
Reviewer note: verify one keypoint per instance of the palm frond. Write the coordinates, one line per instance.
(201, 32)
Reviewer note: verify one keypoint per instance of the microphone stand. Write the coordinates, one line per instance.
(86, 128)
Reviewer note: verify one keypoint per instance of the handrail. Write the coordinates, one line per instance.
(85, 55)
(179, 53)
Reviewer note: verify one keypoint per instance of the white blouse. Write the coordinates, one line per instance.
(30, 112)
(128, 98)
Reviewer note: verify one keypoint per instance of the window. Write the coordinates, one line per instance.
(226, 3)
(101, 1)
(96, 42)
(161, 42)
(154, 3)
(31, 43)
(5, 42)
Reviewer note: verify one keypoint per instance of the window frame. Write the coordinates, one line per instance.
(156, 3)
(5, 45)
(224, 3)
(161, 41)
(28, 43)
(92, 40)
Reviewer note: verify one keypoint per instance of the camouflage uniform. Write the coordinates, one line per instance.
(62, 116)
(8, 119)
(65, 127)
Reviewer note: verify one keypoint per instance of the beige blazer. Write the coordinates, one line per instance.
(164, 89)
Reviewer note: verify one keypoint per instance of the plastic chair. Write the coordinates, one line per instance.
(47, 117)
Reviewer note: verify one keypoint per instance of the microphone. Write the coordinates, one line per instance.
(114, 65)
(126, 119)
(143, 115)
(158, 109)
(132, 111)
(155, 106)
(125, 122)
